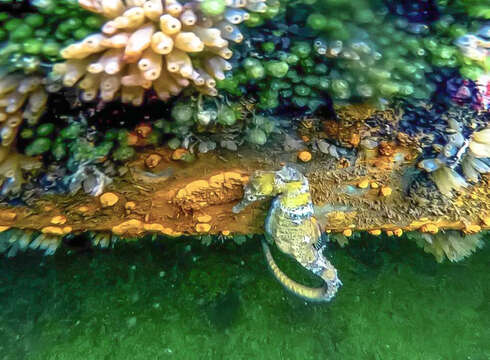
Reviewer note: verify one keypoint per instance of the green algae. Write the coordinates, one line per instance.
(178, 299)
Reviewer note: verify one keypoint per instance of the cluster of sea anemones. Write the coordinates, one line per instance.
(156, 44)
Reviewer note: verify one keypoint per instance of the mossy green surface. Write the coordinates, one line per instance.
(177, 299)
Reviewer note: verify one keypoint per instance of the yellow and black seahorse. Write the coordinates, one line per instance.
(292, 226)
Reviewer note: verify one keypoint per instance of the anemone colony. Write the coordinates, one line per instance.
(88, 86)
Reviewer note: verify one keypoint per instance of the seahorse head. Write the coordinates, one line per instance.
(260, 187)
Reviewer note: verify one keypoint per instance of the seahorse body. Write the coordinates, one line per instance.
(292, 226)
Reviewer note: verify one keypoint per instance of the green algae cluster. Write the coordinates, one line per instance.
(227, 125)
(350, 51)
(29, 41)
(75, 143)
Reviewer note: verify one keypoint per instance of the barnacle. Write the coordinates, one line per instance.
(156, 44)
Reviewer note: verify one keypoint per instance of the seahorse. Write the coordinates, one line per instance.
(292, 226)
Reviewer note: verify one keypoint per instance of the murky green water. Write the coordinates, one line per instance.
(181, 300)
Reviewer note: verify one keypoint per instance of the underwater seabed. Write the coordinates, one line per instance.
(179, 299)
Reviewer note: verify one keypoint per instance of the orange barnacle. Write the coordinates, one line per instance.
(386, 191)
(132, 139)
(304, 156)
(363, 184)
(472, 229)
(143, 130)
(108, 199)
(430, 228)
(153, 160)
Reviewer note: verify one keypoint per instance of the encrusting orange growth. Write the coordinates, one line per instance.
(363, 184)
(203, 228)
(204, 218)
(472, 229)
(58, 220)
(108, 199)
(201, 193)
(386, 191)
(179, 153)
(429, 228)
(304, 156)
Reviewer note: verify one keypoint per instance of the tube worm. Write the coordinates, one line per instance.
(153, 9)
(165, 85)
(37, 100)
(259, 7)
(132, 3)
(208, 80)
(169, 24)
(117, 41)
(188, 42)
(139, 94)
(109, 86)
(210, 91)
(480, 150)
(89, 95)
(109, 28)
(188, 17)
(216, 67)
(150, 64)
(177, 60)
(173, 7)
(113, 61)
(14, 101)
(197, 78)
(75, 69)
(29, 84)
(130, 19)
(235, 35)
(236, 3)
(112, 8)
(236, 16)
(138, 42)
(91, 5)
(182, 82)
(161, 43)
(90, 45)
(9, 83)
(210, 36)
(135, 78)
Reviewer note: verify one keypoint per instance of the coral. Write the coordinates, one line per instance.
(451, 244)
(161, 45)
